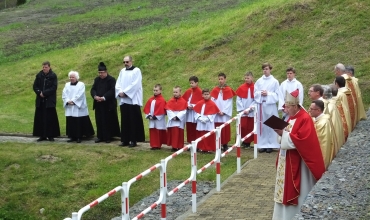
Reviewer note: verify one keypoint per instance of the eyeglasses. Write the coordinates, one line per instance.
(126, 61)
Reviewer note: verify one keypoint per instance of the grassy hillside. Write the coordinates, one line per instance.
(176, 41)
(170, 40)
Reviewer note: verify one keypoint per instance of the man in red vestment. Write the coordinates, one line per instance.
(192, 96)
(223, 95)
(299, 164)
(205, 113)
(156, 113)
(176, 113)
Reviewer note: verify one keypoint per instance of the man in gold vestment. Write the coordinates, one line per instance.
(346, 97)
(335, 118)
(343, 111)
(324, 130)
(352, 84)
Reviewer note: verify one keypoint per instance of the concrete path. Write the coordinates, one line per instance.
(247, 195)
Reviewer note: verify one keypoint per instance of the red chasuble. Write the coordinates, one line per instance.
(304, 137)
(210, 108)
(227, 92)
(178, 104)
(244, 89)
(196, 95)
(159, 105)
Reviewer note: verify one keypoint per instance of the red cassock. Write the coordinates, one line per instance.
(227, 93)
(157, 137)
(304, 137)
(209, 143)
(175, 135)
(196, 96)
(246, 123)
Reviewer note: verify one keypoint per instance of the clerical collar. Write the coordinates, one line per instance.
(317, 118)
(130, 68)
(73, 84)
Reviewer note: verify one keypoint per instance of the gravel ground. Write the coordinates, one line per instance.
(177, 204)
(344, 190)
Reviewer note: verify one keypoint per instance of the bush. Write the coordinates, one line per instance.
(21, 2)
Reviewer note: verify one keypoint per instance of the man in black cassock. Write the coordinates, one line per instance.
(105, 105)
(46, 123)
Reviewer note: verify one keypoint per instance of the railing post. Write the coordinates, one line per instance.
(75, 216)
(194, 173)
(238, 138)
(125, 202)
(255, 133)
(163, 184)
(218, 156)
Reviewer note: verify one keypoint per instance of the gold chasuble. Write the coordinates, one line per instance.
(324, 128)
(352, 84)
(344, 115)
(347, 99)
(338, 129)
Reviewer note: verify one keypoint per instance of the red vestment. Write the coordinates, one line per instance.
(227, 92)
(159, 105)
(244, 89)
(304, 137)
(196, 95)
(175, 135)
(210, 108)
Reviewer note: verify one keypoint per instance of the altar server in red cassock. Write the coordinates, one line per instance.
(192, 96)
(154, 111)
(205, 113)
(245, 100)
(176, 112)
(299, 164)
(223, 95)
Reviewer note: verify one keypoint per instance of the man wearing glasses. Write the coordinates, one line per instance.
(129, 91)
(324, 129)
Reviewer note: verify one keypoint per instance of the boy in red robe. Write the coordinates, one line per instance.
(176, 112)
(244, 100)
(223, 95)
(192, 96)
(154, 111)
(205, 113)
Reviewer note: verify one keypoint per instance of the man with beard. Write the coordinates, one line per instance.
(46, 123)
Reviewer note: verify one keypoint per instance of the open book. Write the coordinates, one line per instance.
(276, 123)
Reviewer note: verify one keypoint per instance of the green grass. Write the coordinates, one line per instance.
(62, 178)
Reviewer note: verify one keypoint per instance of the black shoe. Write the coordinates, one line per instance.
(41, 139)
(262, 150)
(124, 144)
(51, 139)
(225, 147)
(78, 140)
(155, 148)
(174, 149)
(268, 150)
(107, 141)
(132, 144)
(98, 140)
(246, 145)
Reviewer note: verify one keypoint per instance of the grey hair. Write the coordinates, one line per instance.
(327, 92)
(340, 67)
(74, 73)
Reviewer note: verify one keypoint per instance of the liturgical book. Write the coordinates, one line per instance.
(276, 123)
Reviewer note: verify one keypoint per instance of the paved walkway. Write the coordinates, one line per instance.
(247, 195)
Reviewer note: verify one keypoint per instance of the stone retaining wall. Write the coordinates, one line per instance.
(344, 190)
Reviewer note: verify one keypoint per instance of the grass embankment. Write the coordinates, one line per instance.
(169, 44)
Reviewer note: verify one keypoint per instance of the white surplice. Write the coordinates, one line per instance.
(244, 103)
(76, 94)
(190, 113)
(225, 106)
(266, 107)
(290, 86)
(129, 82)
(209, 124)
(176, 123)
(160, 122)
